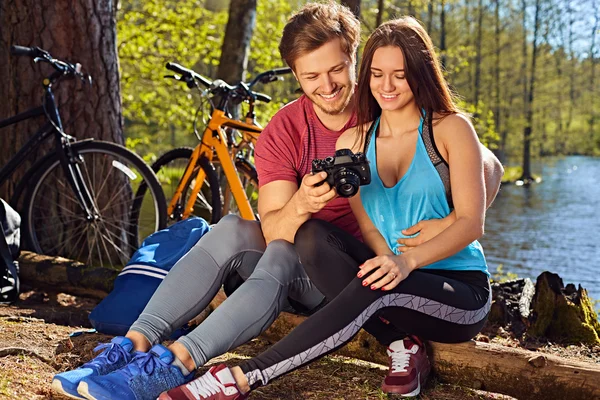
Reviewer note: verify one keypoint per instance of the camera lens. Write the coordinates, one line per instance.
(346, 182)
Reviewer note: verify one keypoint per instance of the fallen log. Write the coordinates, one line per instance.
(516, 372)
(64, 275)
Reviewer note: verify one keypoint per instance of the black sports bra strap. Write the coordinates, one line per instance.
(436, 158)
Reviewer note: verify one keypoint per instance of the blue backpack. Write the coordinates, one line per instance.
(140, 278)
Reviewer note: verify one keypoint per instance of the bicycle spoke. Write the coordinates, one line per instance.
(71, 232)
(106, 249)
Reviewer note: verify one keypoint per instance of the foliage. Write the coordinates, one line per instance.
(565, 120)
(501, 276)
(159, 112)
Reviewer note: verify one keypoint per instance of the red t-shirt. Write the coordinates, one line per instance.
(285, 150)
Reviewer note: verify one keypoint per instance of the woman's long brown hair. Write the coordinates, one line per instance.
(421, 69)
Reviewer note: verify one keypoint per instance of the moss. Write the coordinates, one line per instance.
(560, 318)
(543, 304)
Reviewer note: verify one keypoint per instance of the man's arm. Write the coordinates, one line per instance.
(283, 206)
(492, 175)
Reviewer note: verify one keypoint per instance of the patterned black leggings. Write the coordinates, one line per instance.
(443, 306)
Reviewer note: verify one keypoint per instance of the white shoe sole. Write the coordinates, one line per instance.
(83, 390)
(411, 394)
(58, 388)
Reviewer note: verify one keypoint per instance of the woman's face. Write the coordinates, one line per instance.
(388, 83)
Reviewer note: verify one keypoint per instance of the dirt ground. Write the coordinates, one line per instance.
(35, 344)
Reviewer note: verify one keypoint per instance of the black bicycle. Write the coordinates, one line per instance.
(82, 200)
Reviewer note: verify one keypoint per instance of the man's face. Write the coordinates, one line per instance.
(327, 77)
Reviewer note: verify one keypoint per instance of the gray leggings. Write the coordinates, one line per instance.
(270, 274)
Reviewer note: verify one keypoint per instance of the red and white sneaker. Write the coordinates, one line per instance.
(409, 367)
(216, 384)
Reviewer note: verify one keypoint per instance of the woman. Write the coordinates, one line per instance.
(438, 290)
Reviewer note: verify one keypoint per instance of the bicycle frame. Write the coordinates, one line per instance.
(214, 138)
(68, 159)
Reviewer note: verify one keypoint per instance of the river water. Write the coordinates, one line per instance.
(553, 225)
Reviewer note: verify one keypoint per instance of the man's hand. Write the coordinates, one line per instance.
(311, 198)
(426, 229)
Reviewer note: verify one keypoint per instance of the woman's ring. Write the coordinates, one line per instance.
(393, 275)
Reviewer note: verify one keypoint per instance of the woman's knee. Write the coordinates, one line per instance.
(309, 239)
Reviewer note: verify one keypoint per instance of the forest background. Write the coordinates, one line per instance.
(525, 69)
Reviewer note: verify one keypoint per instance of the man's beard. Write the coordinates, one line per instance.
(335, 108)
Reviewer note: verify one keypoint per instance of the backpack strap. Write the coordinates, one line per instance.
(436, 158)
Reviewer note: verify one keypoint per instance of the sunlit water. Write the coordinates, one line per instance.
(553, 225)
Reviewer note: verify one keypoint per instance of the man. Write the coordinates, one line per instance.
(319, 43)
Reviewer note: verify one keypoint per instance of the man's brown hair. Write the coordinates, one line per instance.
(316, 24)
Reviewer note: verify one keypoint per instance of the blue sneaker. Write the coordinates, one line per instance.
(114, 355)
(144, 378)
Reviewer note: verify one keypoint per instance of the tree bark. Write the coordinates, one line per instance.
(478, 57)
(592, 120)
(517, 372)
(527, 177)
(443, 49)
(380, 10)
(498, 51)
(81, 31)
(353, 5)
(236, 43)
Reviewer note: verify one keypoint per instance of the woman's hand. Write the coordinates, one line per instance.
(389, 271)
(426, 229)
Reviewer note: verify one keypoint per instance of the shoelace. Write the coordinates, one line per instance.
(144, 362)
(401, 359)
(205, 386)
(112, 352)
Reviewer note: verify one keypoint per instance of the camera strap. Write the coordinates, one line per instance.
(370, 134)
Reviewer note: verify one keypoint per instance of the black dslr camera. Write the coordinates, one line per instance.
(346, 171)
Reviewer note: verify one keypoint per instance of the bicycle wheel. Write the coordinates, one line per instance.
(249, 179)
(56, 224)
(170, 168)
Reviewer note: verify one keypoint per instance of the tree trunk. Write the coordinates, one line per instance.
(527, 177)
(468, 46)
(83, 31)
(353, 5)
(497, 66)
(236, 43)
(430, 17)
(592, 142)
(573, 62)
(380, 10)
(443, 33)
(477, 87)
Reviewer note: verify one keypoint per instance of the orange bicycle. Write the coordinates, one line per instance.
(188, 175)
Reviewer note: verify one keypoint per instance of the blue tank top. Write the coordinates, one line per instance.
(418, 196)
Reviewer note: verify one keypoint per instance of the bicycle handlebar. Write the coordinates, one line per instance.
(187, 74)
(62, 67)
(241, 90)
(25, 51)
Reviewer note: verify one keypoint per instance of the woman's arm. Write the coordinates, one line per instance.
(371, 236)
(466, 178)
(370, 233)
